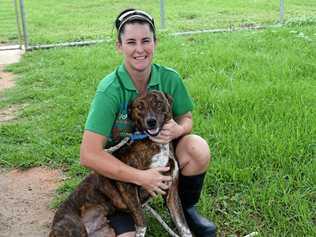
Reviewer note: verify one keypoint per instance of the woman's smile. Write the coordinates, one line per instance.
(140, 58)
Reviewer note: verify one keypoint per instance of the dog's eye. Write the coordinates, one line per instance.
(159, 105)
(140, 107)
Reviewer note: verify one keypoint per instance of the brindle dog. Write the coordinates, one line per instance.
(84, 212)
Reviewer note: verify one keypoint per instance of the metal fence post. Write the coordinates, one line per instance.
(17, 22)
(162, 14)
(25, 36)
(281, 11)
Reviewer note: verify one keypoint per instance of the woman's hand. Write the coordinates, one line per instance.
(169, 131)
(154, 182)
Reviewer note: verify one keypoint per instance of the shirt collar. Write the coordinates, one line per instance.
(128, 83)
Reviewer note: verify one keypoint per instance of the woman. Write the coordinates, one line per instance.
(107, 124)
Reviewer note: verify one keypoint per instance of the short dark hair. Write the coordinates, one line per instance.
(132, 15)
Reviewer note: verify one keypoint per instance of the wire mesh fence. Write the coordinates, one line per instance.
(52, 21)
(8, 22)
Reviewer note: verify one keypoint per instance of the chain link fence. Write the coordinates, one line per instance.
(52, 22)
(9, 24)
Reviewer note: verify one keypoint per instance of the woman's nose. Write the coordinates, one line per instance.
(139, 48)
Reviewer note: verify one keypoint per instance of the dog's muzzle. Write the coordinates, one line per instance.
(152, 127)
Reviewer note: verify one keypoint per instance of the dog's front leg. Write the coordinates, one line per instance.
(107, 188)
(173, 202)
(129, 193)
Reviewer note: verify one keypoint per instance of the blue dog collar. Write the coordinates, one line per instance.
(138, 136)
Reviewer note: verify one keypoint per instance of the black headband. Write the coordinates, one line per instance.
(135, 15)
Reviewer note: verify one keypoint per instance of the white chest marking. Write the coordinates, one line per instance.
(161, 159)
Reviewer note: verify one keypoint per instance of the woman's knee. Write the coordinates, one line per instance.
(193, 148)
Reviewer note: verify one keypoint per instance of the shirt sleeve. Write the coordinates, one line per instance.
(182, 101)
(102, 114)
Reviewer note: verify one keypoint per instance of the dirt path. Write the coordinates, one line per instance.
(25, 196)
(7, 79)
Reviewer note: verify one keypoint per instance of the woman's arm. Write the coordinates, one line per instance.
(186, 122)
(93, 156)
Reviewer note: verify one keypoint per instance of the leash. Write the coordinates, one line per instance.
(160, 220)
(136, 136)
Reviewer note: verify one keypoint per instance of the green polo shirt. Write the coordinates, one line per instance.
(109, 108)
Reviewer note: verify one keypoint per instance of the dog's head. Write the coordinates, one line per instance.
(151, 111)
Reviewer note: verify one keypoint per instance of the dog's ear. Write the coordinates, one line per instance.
(170, 99)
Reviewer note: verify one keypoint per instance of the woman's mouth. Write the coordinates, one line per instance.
(140, 58)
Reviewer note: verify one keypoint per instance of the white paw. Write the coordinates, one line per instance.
(140, 231)
(185, 232)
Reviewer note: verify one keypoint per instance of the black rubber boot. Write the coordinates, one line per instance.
(190, 188)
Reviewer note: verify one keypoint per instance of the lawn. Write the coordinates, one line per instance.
(254, 94)
(54, 21)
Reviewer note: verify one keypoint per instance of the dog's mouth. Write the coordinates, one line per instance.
(153, 132)
(152, 127)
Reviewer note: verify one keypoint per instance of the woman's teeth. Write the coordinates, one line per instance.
(140, 58)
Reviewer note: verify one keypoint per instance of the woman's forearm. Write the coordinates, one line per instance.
(107, 165)
(93, 156)
(185, 121)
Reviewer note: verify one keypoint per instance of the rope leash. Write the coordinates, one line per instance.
(137, 136)
(160, 220)
(118, 146)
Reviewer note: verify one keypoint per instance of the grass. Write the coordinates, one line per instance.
(51, 21)
(255, 99)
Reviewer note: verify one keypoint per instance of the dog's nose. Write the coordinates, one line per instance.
(151, 123)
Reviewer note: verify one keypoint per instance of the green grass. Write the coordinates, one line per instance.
(54, 21)
(255, 100)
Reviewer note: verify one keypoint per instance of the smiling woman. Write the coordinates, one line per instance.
(136, 41)
(137, 45)
(107, 124)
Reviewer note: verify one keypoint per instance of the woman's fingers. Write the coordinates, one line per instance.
(156, 191)
(164, 186)
(159, 191)
(162, 169)
(160, 140)
(164, 178)
(169, 131)
(159, 182)
(163, 137)
(153, 194)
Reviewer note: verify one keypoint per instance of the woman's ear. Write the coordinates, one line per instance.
(118, 46)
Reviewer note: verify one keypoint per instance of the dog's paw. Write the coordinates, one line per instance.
(185, 232)
(140, 231)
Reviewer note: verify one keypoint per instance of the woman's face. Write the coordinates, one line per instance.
(137, 45)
